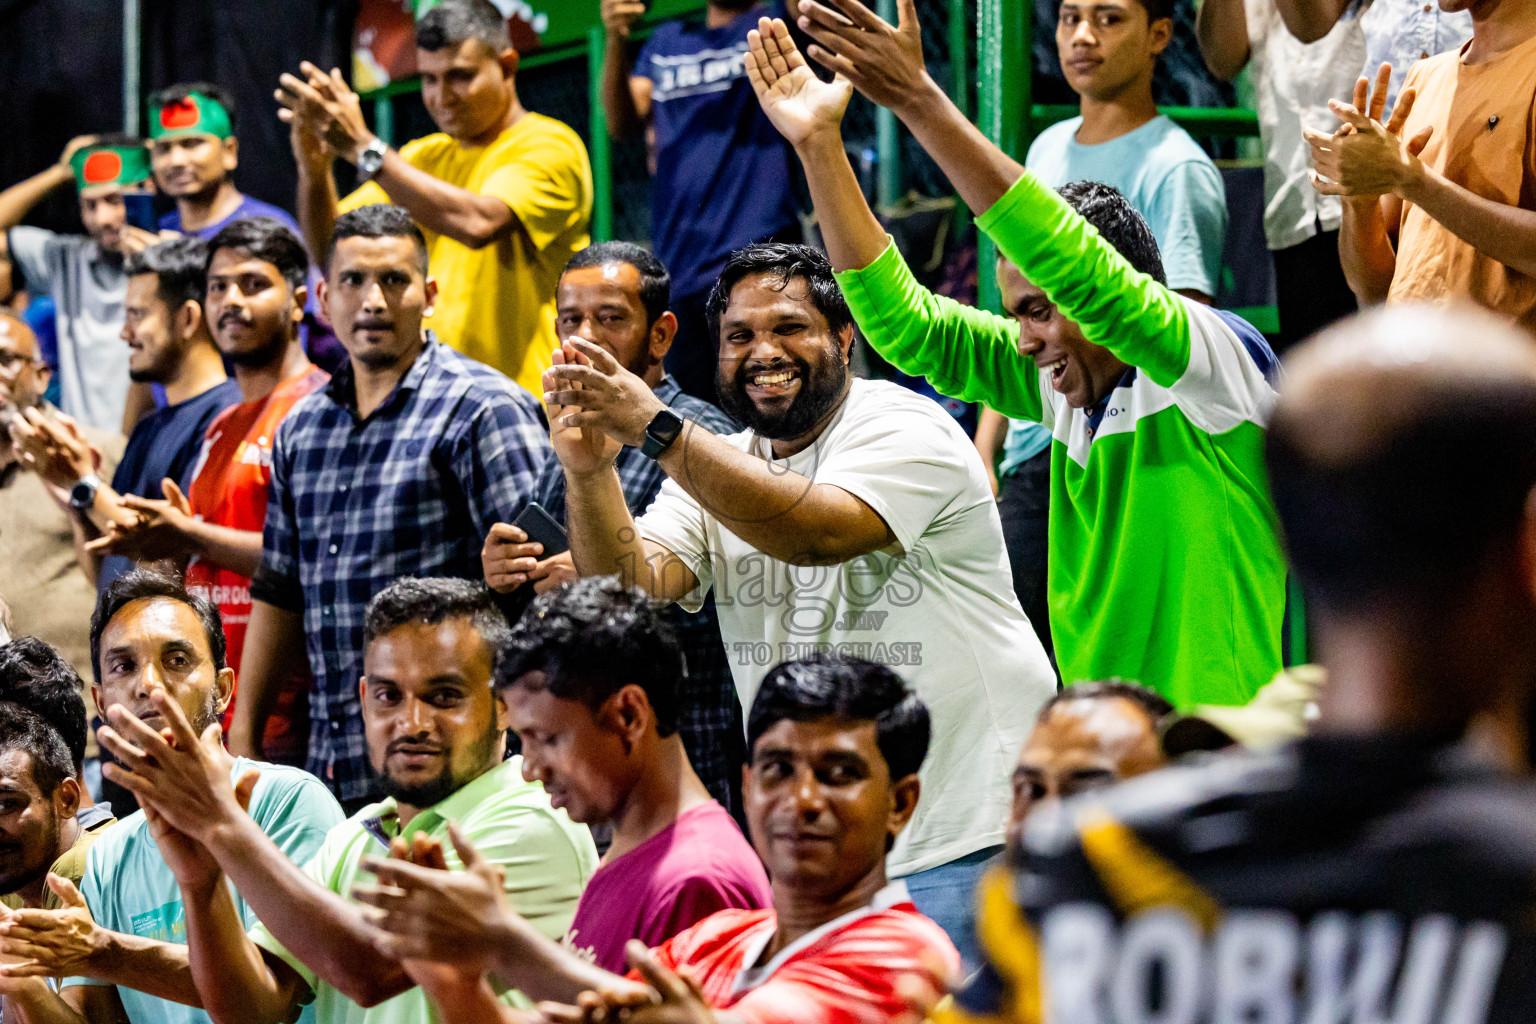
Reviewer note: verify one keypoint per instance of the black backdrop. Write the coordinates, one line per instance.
(61, 73)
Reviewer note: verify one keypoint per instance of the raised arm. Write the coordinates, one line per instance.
(17, 201)
(1221, 27)
(1310, 20)
(626, 99)
(468, 217)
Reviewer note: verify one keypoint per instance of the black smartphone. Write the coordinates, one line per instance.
(540, 526)
(141, 210)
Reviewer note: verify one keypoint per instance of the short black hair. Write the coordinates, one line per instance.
(593, 637)
(1117, 221)
(266, 239)
(829, 686)
(35, 675)
(220, 95)
(118, 140)
(451, 22)
(1157, 9)
(378, 220)
(25, 730)
(1153, 704)
(432, 601)
(1417, 516)
(143, 584)
(181, 264)
(655, 279)
(786, 261)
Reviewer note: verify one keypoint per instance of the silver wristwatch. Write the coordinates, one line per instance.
(83, 495)
(371, 159)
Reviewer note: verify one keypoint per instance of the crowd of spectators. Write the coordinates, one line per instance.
(410, 611)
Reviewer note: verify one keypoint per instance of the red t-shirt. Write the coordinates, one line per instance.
(844, 972)
(229, 488)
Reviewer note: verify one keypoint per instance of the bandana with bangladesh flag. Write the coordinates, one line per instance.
(110, 165)
(195, 114)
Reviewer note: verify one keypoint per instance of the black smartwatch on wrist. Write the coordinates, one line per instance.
(83, 495)
(660, 434)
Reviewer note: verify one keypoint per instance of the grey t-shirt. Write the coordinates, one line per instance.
(88, 287)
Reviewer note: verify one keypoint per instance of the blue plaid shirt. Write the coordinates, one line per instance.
(356, 503)
(710, 720)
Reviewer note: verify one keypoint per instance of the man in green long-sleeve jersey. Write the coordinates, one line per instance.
(1164, 562)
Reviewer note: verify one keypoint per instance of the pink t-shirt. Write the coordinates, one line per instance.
(681, 875)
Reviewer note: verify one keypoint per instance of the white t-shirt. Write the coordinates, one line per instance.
(1293, 82)
(937, 605)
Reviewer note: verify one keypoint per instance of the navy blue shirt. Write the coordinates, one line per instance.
(723, 172)
(166, 443)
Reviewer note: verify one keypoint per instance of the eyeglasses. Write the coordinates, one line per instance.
(12, 363)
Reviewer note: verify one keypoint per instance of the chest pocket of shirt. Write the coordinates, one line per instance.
(1485, 149)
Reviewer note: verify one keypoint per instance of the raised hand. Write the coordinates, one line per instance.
(883, 61)
(1364, 157)
(159, 532)
(619, 16)
(799, 104)
(582, 448)
(75, 145)
(325, 106)
(49, 943)
(53, 448)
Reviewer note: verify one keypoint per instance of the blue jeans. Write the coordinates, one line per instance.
(947, 895)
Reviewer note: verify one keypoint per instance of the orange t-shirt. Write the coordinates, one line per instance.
(229, 488)
(1485, 141)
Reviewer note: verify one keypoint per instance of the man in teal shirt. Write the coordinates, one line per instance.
(149, 635)
(1164, 562)
(437, 738)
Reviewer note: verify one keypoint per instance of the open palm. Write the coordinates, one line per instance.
(797, 102)
(580, 449)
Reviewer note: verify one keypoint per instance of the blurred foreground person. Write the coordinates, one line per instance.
(1389, 859)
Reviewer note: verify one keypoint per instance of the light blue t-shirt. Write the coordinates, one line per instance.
(129, 888)
(1170, 181)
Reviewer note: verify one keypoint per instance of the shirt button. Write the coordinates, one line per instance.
(326, 612)
(1423, 54)
(333, 549)
(343, 488)
(1427, 8)
(335, 726)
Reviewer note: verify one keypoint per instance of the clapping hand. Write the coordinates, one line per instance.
(799, 104)
(1365, 158)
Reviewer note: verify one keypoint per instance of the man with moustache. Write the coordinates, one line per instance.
(436, 732)
(617, 295)
(117, 941)
(851, 516)
(169, 344)
(214, 528)
(50, 597)
(399, 466)
(720, 173)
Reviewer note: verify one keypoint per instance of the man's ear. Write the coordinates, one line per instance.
(1159, 34)
(66, 799)
(101, 709)
(663, 333)
(322, 296)
(189, 318)
(431, 289)
(231, 153)
(904, 794)
(300, 295)
(224, 682)
(628, 714)
(845, 342)
(508, 59)
(499, 709)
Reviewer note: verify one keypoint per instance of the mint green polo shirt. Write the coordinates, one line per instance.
(546, 856)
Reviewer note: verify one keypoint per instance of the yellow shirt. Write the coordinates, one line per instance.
(497, 304)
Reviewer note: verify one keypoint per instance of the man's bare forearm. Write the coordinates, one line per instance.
(316, 925)
(1365, 251)
(465, 216)
(1221, 28)
(227, 967)
(782, 514)
(853, 237)
(980, 172)
(17, 201)
(544, 970)
(1497, 230)
(317, 202)
(1310, 20)
(33, 1002)
(618, 101)
(159, 969)
(604, 538)
(228, 548)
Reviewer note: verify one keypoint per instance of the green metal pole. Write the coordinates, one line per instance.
(602, 154)
(384, 118)
(887, 141)
(960, 89)
(1004, 62)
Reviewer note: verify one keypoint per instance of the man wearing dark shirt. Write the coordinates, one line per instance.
(1389, 859)
(721, 173)
(398, 467)
(617, 295)
(167, 335)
